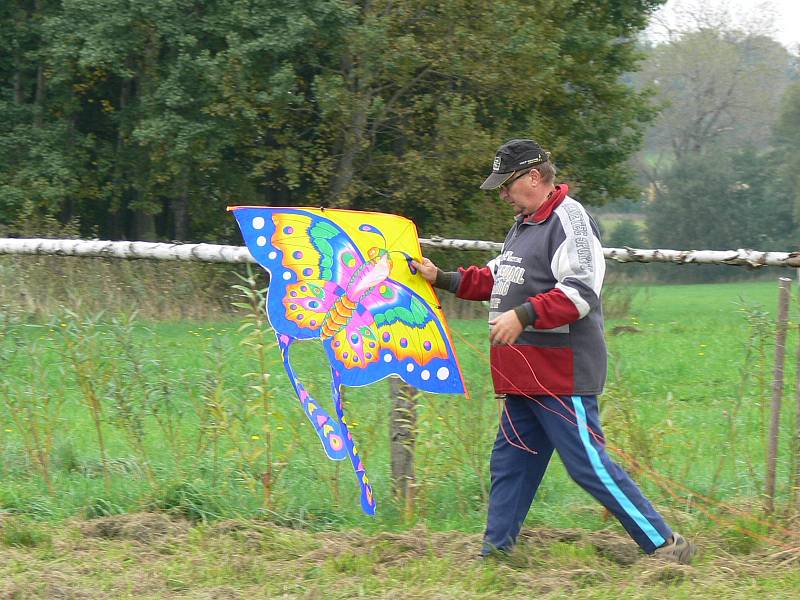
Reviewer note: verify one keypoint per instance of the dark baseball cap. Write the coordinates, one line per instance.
(514, 155)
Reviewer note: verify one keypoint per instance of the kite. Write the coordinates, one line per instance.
(345, 277)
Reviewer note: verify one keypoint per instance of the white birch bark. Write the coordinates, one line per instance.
(240, 254)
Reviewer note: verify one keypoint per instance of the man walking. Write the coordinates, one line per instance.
(548, 354)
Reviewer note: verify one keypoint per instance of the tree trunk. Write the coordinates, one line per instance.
(117, 215)
(38, 101)
(19, 96)
(402, 432)
(145, 225)
(179, 205)
(352, 135)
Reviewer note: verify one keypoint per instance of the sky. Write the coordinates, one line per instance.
(778, 18)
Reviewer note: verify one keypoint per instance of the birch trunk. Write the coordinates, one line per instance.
(748, 258)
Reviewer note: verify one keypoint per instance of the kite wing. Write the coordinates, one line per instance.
(334, 276)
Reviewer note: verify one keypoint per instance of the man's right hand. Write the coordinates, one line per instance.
(426, 268)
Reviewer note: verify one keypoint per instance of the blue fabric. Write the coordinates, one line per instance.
(611, 485)
(544, 425)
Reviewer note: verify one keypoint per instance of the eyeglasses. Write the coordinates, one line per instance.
(506, 185)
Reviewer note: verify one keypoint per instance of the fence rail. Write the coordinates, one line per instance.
(239, 254)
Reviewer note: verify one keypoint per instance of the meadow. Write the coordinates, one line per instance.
(193, 423)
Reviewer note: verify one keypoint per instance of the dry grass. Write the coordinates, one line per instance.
(150, 555)
(38, 286)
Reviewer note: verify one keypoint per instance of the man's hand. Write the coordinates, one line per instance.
(426, 268)
(505, 329)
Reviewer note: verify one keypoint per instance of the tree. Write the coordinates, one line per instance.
(722, 199)
(786, 140)
(626, 233)
(715, 87)
(145, 119)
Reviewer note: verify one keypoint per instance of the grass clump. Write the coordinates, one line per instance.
(23, 533)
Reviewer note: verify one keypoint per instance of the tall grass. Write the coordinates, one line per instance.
(113, 411)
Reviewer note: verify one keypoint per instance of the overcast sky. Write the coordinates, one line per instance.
(779, 18)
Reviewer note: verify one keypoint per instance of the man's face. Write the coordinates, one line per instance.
(517, 191)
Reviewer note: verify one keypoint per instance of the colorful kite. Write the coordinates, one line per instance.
(345, 277)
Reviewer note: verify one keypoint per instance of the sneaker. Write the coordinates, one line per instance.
(676, 549)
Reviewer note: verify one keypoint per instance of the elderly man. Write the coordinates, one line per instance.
(548, 354)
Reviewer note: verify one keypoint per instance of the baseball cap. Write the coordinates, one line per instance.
(514, 155)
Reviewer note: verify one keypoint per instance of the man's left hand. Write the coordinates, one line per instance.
(505, 329)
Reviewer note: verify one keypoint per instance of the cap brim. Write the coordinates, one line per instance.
(495, 180)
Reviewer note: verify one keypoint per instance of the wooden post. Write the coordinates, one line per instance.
(402, 434)
(777, 391)
(797, 427)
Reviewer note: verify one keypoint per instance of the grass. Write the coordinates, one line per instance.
(155, 556)
(185, 435)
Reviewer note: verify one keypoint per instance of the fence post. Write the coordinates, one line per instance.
(796, 481)
(402, 438)
(777, 391)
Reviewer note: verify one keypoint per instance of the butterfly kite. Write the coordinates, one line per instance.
(345, 278)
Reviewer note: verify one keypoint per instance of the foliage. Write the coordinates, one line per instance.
(626, 233)
(786, 139)
(715, 86)
(145, 119)
(722, 199)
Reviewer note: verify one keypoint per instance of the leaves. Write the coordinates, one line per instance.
(144, 120)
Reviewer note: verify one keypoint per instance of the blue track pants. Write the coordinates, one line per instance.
(543, 425)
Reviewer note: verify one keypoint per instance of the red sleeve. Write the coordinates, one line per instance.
(553, 309)
(476, 283)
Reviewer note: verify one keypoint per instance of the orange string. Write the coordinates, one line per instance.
(662, 481)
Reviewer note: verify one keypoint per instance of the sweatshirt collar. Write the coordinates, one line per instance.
(543, 213)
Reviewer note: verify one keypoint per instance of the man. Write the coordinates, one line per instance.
(548, 354)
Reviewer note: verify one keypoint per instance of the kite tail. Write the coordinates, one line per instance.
(367, 499)
(327, 428)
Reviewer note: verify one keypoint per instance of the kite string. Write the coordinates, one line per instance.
(664, 482)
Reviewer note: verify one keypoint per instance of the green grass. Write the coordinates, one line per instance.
(681, 380)
(676, 373)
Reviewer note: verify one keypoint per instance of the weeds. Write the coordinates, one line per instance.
(619, 294)
(254, 329)
(129, 394)
(85, 352)
(22, 533)
(37, 287)
(190, 501)
(759, 329)
(35, 409)
(194, 419)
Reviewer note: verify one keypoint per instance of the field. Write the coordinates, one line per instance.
(137, 462)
